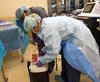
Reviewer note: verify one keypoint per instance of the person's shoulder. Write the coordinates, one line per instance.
(38, 8)
(45, 19)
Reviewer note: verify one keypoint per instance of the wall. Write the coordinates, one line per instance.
(8, 7)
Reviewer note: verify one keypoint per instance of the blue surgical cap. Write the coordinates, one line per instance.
(20, 11)
(30, 23)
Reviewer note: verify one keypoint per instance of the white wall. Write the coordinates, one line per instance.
(8, 7)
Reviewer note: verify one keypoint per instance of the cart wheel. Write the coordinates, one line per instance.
(6, 79)
(22, 60)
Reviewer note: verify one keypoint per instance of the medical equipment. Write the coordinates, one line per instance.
(89, 16)
(91, 9)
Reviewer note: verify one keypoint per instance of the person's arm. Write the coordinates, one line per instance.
(52, 42)
(44, 49)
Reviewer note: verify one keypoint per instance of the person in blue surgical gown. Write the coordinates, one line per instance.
(54, 31)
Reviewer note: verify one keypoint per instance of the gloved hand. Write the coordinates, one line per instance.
(41, 53)
(39, 63)
(33, 42)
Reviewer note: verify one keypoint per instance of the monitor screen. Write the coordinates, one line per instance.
(88, 8)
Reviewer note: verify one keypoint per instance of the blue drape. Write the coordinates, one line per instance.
(3, 53)
(77, 60)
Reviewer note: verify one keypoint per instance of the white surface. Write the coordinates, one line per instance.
(35, 69)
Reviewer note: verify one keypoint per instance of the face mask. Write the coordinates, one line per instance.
(27, 16)
(35, 32)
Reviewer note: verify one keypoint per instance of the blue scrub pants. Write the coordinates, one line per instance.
(68, 73)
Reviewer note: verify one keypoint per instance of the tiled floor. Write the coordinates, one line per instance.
(17, 71)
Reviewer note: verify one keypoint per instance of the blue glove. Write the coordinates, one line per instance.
(33, 42)
(41, 53)
(39, 63)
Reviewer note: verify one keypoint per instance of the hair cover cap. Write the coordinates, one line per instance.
(20, 11)
(31, 21)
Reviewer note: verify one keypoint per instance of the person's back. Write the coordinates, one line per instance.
(62, 28)
(65, 26)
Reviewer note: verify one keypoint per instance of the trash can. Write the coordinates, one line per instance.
(38, 74)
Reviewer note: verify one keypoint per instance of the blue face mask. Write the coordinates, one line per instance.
(20, 23)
